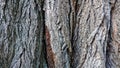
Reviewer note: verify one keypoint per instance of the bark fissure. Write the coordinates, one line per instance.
(59, 34)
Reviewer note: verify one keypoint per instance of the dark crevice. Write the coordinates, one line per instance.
(109, 48)
(70, 33)
(44, 35)
(74, 22)
(44, 39)
(40, 32)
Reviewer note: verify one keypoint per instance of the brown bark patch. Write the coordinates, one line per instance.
(116, 42)
(115, 30)
(50, 54)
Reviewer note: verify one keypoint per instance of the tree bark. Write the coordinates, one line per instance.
(59, 34)
(22, 34)
(57, 22)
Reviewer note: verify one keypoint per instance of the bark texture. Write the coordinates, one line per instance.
(22, 34)
(57, 22)
(59, 33)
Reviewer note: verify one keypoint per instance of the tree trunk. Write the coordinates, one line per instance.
(22, 34)
(59, 34)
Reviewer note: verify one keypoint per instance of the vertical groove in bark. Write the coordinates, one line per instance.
(72, 21)
(78, 34)
(114, 41)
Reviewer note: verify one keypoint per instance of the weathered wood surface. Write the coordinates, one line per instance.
(59, 33)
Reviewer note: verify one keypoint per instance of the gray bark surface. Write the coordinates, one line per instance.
(22, 34)
(57, 22)
(91, 34)
(59, 33)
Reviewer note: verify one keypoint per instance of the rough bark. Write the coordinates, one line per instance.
(91, 34)
(57, 22)
(90, 30)
(113, 52)
(62, 34)
(22, 34)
